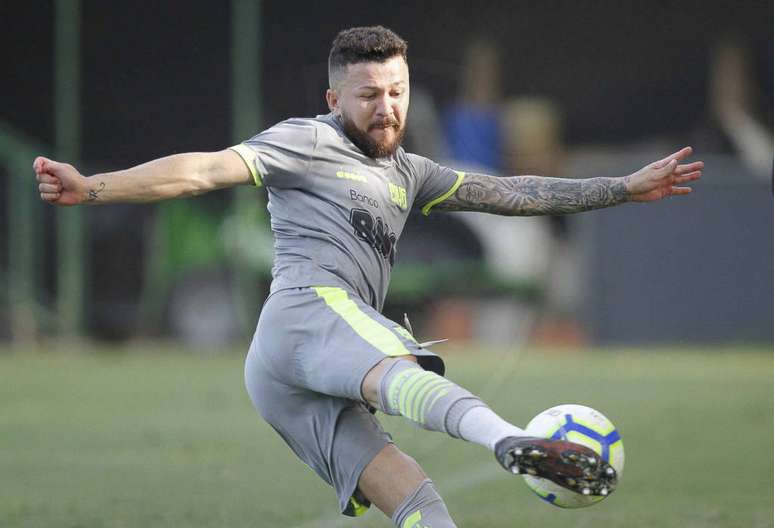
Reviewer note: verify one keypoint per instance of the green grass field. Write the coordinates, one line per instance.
(148, 436)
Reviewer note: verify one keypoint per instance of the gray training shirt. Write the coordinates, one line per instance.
(337, 214)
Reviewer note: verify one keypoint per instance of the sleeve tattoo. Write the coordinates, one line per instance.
(534, 195)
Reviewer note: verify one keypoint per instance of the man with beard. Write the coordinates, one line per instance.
(323, 358)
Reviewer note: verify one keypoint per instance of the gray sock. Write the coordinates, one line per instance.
(423, 507)
(424, 397)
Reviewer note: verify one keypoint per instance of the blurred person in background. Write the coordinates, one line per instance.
(323, 357)
(533, 144)
(737, 105)
(472, 123)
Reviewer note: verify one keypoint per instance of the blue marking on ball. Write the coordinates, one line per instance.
(604, 440)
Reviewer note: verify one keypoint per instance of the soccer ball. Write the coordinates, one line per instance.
(582, 425)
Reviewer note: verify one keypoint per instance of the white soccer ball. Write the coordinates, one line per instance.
(582, 425)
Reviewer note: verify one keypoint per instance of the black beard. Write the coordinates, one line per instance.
(369, 146)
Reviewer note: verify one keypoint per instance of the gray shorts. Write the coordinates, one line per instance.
(311, 351)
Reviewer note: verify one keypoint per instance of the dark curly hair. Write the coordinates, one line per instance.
(363, 44)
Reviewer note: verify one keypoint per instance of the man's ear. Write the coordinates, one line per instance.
(333, 100)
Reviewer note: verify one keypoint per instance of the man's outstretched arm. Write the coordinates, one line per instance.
(174, 176)
(538, 195)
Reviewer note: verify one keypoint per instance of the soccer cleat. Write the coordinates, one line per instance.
(568, 464)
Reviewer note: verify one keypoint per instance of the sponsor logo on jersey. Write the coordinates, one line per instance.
(358, 197)
(351, 176)
(398, 195)
(375, 232)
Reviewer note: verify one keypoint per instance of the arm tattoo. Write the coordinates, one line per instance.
(534, 195)
(94, 193)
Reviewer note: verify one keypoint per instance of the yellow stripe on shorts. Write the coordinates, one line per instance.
(374, 333)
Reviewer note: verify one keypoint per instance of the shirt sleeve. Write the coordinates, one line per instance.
(280, 156)
(436, 183)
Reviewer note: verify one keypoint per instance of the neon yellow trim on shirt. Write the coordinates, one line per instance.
(444, 196)
(248, 156)
(374, 333)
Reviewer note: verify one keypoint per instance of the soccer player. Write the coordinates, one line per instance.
(323, 358)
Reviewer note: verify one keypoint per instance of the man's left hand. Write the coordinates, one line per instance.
(663, 178)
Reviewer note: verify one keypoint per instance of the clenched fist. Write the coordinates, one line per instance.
(60, 183)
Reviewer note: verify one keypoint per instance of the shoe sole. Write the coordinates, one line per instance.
(574, 470)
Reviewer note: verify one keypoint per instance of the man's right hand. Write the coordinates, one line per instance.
(175, 176)
(60, 183)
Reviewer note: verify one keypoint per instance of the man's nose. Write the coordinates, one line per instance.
(384, 106)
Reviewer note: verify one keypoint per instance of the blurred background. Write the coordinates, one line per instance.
(560, 88)
(123, 327)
